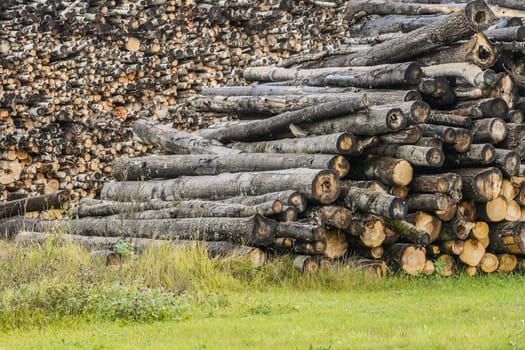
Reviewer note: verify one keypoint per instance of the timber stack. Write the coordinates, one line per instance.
(402, 145)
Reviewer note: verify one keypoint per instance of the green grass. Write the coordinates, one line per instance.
(57, 298)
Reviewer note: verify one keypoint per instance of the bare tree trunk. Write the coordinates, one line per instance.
(374, 202)
(16, 207)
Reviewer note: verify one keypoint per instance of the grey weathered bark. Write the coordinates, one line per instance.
(176, 141)
(428, 201)
(478, 154)
(16, 207)
(264, 128)
(391, 171)
(469, 72)
(415, 155)
(443, 183)
(491, 130)
(409, 135)
(480, 184)
(320, 185)
(340, 143)
(376, 120)
(288, 197)
(173, 166)
(507, 161)
(450, 120)
(335, 216)
(377, 203)
(516, 33)
(476, 16)
(300, 231)
(482, 108)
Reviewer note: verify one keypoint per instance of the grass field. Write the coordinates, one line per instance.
(56, 298)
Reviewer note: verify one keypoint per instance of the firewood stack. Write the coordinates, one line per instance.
(402, 145)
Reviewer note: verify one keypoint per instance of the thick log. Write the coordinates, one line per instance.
(512, 4)
(173, 166)
(483, 108)
(468, 72)
(447, 265)
(507, 161)
(373, 202)
(340, 143)
(366, 231)
(463, 141)
(367, 77)
(515, 136)
(264, 128)
(289, 197)
(391, 171)
(473, 252)
(489, 263)
(478, 154)
(376, 120)
(407, 257)
(334, 216)
(442, 183)
(491, 130)
(494, 210)
(476, 16)
(176, 141)
(516, 33)
(415, 155)
(428, 201)
(480, 184)
(322, 186)
(477, 50)
(382, 7)
(507, 237)
(56, 200)
(437, 92)
(426, 222)
(408, 231)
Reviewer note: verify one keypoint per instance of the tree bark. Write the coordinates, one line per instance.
(480, 184)
(516, 33)
(16, 207)
(329, 215)
(319, 185)
(408, 231)
(469, 72)
(306, 264)
(457, 228)
(391, 171)
(507, 161)
(409, 135)
(176, 141)
(376, 120)
(450, 120)
(507, 237)
(479, 154)
(288, 197)
(482, 108)
(173, 166)
(442, 183)
(460, 25)
(490, 130)
(415, 155)
(407, 257)
(339, 143)
(264, 128)
(428, 201)
(366, 231)
(373, 202)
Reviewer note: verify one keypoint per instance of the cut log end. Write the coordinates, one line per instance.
(395, 119)
(326, 187)
(345, 143)
(413, 260)
(403, 173)
(446, 265)
(489, 263)
(340, 166)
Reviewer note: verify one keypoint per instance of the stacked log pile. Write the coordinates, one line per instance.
(397, 147)
(76, 74)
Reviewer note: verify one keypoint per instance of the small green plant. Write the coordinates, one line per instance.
(123, 248)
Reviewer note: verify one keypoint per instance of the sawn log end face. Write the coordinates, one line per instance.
(326, 187)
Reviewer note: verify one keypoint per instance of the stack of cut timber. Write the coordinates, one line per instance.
(406, 148)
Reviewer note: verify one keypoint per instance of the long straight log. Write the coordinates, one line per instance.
(339, 143)
(176, 141)
(469, 72)
(450, 120)
(367, 77)
(322, 186)
(478, 154)
(54, 200)
(300, 231)
(173, 166)
(329, 215)
(288, 197)
(409, 232)
(376, 120)
(263, 128)
(443, 183)
(373, 202)
(415, 155)
(476, 16)
(428, 201)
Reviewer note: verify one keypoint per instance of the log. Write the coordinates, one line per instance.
(507, 262)
(449, 213)
(442, 183)
(300, 231)
(376, 120)
(478, 154)
(377, 268)
(512, 4)
(515, 33)
(336, 244)
(507, 161)
(292, 198)
(429, 268)
(339, 143)
(379, 7)
(476, 16)
(494, 210)
(450, 120)
(513, 211)
(373, 202)
(446, 134)
(468, 72)
(305, 264)
(388, 75)
(263, 128)
(410, 135)
(415, 155)
(477, 50)
(408, 231)
(482, 108)
(490, 130)
(452, 247)
(329, 215)
(56, 200)
(446, 265)
(173, 166)
(428, 201)
(480, 184)
(176, 141)
(507, 237)
(426, 222)
(489, 263)
(407, 257)
(322, 186)
(480, 230)
(473, 252)
(457, 228)
(391, 171)
(437, 92)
